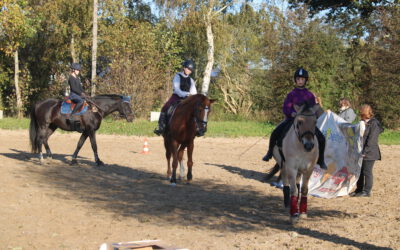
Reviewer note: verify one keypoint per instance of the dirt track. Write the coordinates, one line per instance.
(58, 206)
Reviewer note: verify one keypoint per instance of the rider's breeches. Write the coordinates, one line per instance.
(174, 98)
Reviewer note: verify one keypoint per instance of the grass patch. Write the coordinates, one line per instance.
(141, 127)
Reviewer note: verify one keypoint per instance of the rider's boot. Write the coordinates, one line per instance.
(273, 139)
(321, 147)
(75, 125)
(161, 124)
(272, 142)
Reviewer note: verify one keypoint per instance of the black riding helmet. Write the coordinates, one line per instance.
(76, 66)
(188, 64)
(300, 72)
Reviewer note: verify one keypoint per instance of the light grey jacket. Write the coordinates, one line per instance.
(348, 114)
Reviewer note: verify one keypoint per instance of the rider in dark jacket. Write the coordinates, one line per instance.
(77, 94)
(183, 86)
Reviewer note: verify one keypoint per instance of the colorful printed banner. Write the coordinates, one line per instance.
(342, 156)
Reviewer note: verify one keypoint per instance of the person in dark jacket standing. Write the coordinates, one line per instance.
(77, 94)
(183, 86)
(346, 112)
(370, 151)
(298, 96)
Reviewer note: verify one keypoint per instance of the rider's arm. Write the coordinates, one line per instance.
(288, 106)
(176, 82)
(75, 85)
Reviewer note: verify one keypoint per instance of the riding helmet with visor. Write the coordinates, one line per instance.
(76, 66)
(300, 72)
(188, 64)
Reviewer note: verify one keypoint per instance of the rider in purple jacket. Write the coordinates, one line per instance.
(298, 96)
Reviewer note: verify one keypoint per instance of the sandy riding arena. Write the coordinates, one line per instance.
(227, 206)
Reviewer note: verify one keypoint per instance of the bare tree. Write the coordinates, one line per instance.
(94, 47)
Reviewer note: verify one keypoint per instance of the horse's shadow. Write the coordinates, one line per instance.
(148, 197)
(246, 173)
(29, 157)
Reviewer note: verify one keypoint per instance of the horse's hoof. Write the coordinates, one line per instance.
(294, 219)
(100, 163)
(74, 162)
(303, 215)
(173, 184)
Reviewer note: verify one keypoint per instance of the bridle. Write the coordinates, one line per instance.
(301, 135)
(205, 119)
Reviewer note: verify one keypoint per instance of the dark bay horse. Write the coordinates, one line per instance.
(46, 118)
(297, 157)
(188, 120)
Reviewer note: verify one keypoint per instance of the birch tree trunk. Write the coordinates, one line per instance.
(94, 48)
(210, 52)
(73, 51)
(16, 82)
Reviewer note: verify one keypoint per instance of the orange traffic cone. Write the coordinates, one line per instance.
(145, 147)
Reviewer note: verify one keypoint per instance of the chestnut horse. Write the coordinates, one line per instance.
(46, 117)
(188, 120)
(297, 157)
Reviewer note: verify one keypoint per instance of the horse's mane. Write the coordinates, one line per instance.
(191, 100)
(306, 109)
(108, 96)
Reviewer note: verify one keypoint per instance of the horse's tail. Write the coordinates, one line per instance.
(272, 172)
(33, 131)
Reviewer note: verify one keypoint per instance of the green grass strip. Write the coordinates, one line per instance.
(141, 127)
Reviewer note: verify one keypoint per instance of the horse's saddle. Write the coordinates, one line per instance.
(67, 106)
(171, 110)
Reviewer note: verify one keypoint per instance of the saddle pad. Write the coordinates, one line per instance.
(66, 109)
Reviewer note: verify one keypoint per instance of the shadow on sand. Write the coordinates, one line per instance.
(149, 197)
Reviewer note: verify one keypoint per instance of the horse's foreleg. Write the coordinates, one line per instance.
(304, 193)
(190, 161)
(174, 152)
(294, 206)
(92, 136)
(168, 156)
(180, 160)
(81, 141)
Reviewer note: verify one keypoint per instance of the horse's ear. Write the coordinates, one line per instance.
(297, 108)
(212, 100)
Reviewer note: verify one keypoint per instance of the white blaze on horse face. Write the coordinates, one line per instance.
(205, 114)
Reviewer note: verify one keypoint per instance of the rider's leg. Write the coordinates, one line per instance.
(274, 138)
(321, 144)
(162, 121)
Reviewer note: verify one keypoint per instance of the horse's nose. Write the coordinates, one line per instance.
(308, 146)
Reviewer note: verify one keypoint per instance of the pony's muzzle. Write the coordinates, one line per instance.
(308, 146)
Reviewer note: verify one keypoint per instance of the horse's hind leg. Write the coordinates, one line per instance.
(49, 132)
(41, 139)
(81, 141)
